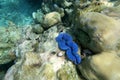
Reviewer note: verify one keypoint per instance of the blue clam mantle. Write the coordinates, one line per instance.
(66, 43)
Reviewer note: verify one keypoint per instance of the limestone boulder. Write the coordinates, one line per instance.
(98, 32)
(103, 66)
(51, 19)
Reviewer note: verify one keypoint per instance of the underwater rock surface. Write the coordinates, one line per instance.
(104, 66)
(103, 32)
(112, 12)
(36, 54)
(43, 62)
(51, 19)
(9, 38)
(35, 68)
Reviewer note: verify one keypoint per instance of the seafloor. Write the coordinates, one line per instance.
(59, 39)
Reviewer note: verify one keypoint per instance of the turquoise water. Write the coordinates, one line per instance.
(17, 11)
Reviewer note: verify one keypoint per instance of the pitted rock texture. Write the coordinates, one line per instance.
(98, 32)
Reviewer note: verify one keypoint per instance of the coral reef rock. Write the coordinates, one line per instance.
(42, 66)
(48, 42)
(98, 32)
(93, 24)
(104, 66)
(9, 37)
(112, 12)
(42, 63)
(37, 28)
(38, 16)
(51, 19)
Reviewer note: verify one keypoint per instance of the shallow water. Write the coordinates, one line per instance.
(39, 38)
(17, 11)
